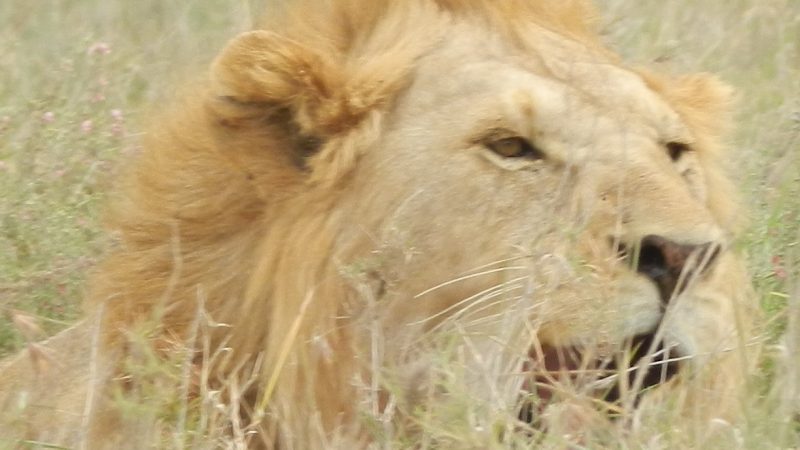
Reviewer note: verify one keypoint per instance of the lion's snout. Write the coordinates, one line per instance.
(670, 265)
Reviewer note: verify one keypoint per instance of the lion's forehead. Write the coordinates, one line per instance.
(564, 92)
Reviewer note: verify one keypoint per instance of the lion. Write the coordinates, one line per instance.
(374, 207)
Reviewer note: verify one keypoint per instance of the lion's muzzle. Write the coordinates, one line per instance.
(669, 264)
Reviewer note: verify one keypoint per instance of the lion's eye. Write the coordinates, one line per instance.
(676, 150)
(515, 147)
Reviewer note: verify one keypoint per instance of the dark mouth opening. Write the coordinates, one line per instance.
(652, 367)
(616, 380)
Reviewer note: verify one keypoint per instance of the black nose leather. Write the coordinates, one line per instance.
(665, 261)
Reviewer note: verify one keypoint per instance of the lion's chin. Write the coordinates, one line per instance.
(613, 378)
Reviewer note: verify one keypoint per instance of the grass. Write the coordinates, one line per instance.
(77, 80)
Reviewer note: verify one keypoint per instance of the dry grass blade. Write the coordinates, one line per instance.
(27, 325)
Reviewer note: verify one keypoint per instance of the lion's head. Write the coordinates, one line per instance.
(369, 182)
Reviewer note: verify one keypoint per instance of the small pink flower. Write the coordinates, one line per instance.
(48, 117)
(777, 267)
(117, 129)
(3, 166)
(116, 114)
(86, 126)
(99, 48)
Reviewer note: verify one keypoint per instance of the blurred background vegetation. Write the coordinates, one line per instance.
(77, 79)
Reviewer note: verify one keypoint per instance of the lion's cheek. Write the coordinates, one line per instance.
(711, 317)
(704, 327)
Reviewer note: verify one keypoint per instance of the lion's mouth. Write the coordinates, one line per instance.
(614, 380)
(650, 364)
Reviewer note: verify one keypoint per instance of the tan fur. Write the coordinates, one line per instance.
(322, 191)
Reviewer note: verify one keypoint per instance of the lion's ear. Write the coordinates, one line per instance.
(263, 67)
(701, 99)
(336, 101)
(705, 101)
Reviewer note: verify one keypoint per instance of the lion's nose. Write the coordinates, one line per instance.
(671, 265)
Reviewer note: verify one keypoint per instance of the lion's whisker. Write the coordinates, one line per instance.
(479, 295)
(499, 261)
(467, 277)
(466, 313)
(464, 320)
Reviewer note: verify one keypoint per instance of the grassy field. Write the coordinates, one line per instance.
(78, 78)
(76, 82)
